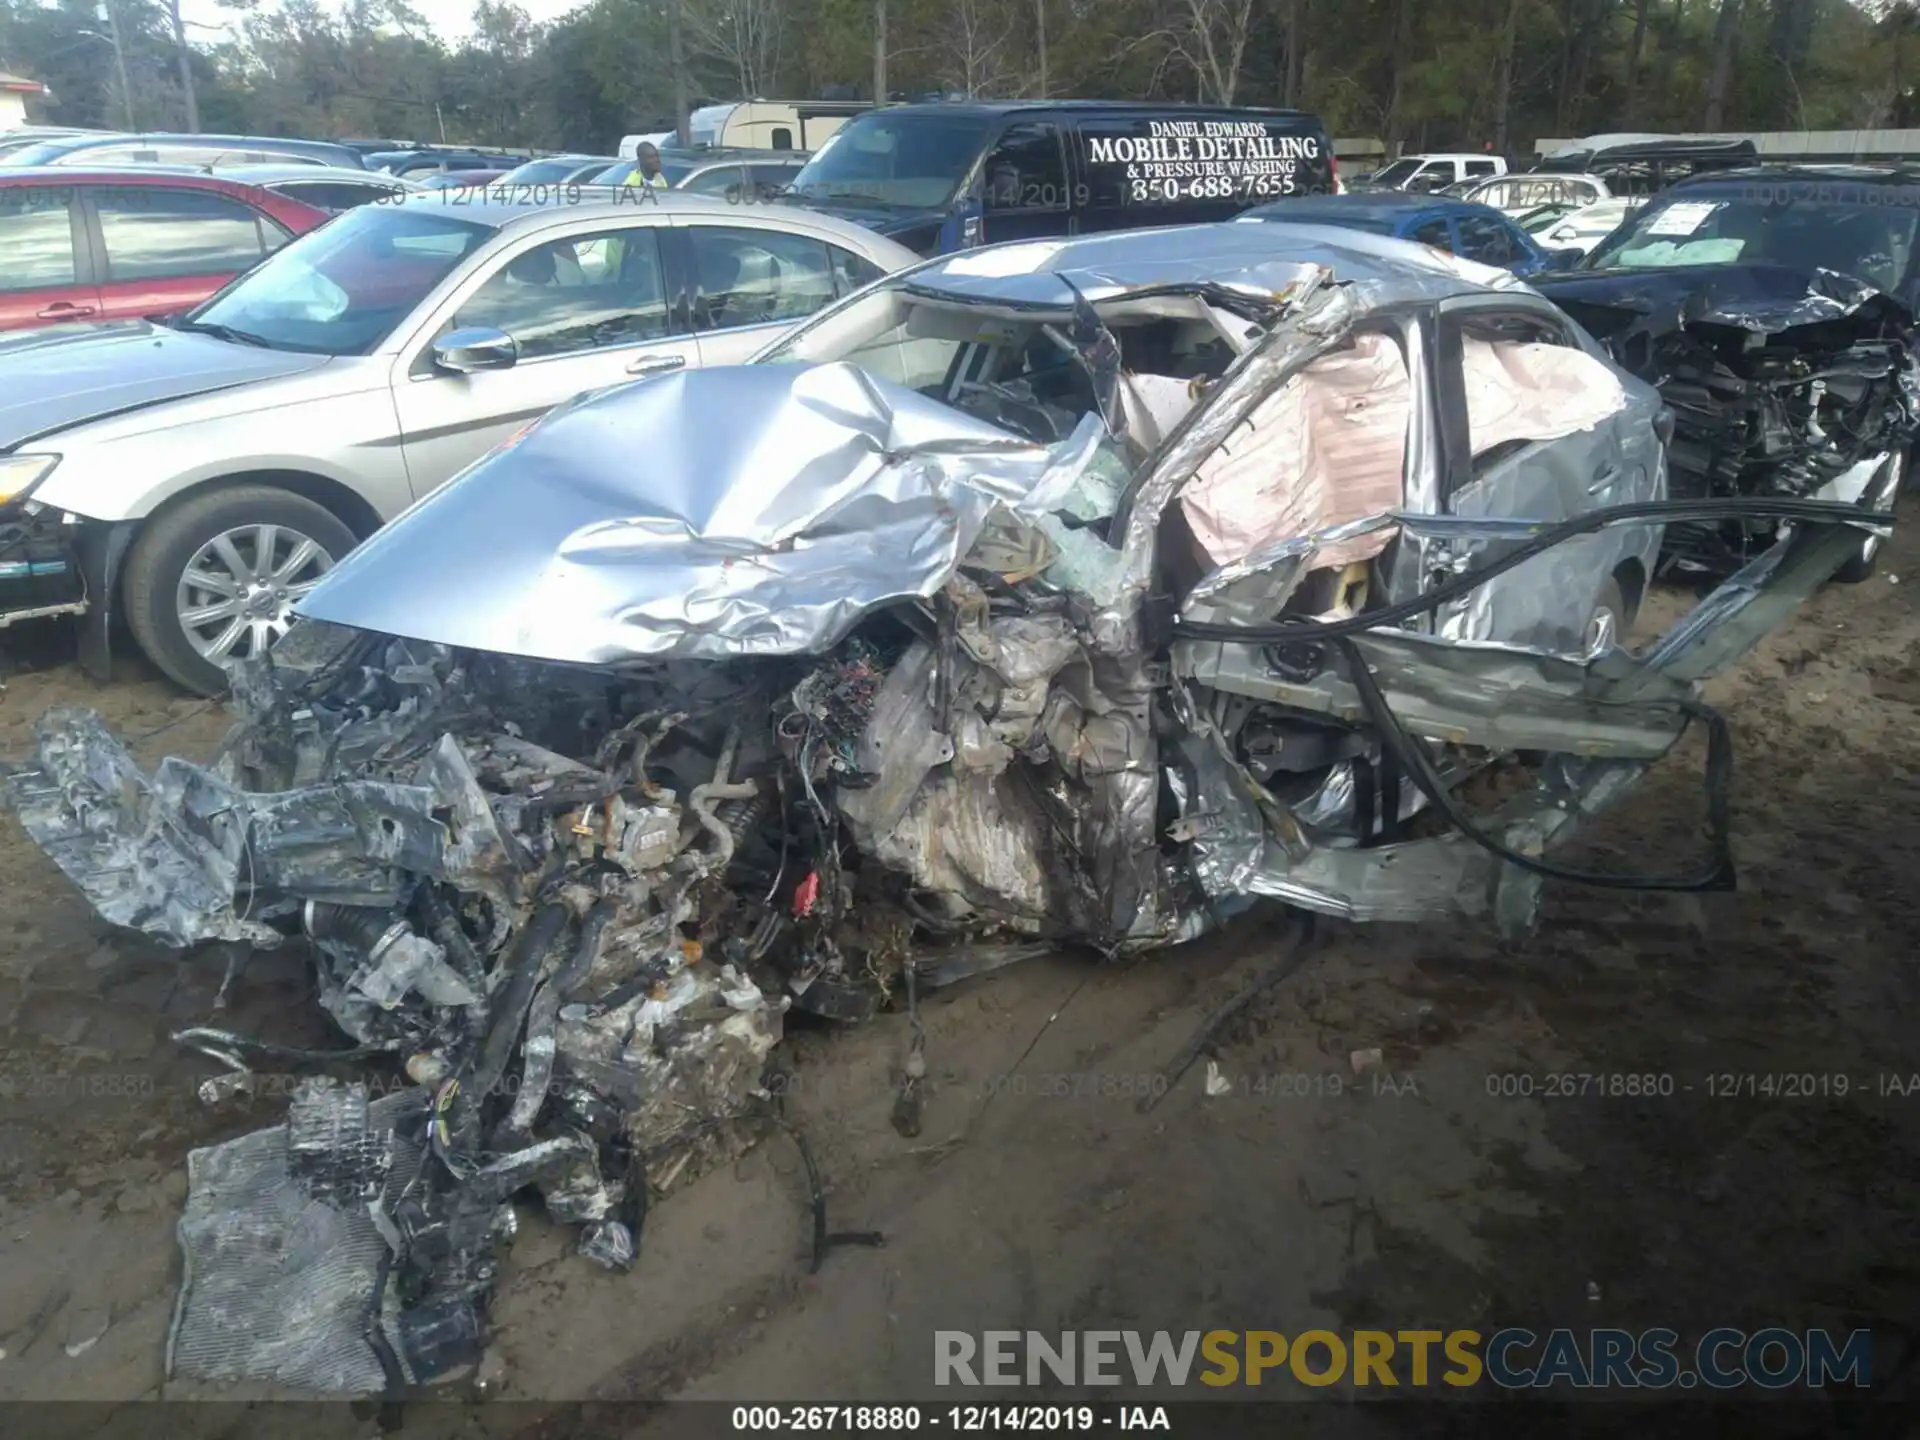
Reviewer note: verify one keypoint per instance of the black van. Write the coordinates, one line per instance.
(946, 177)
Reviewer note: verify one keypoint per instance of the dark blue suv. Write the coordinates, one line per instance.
(1474, 232)
(946, 177)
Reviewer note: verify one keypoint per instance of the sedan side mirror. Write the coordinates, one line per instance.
(478, 348)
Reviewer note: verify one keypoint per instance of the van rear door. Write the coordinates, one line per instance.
(1183, 166)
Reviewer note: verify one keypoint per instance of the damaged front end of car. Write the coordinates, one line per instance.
(1781, 383)
(649, 730)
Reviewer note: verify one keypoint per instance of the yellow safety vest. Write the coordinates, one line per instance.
(638, 177)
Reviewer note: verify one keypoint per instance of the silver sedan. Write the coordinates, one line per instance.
(200, 477)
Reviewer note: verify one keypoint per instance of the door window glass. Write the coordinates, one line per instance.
(1434, 233)
(153, 233)
(1485, 239)
(852, 272)
(587, 292)
(720, 180)
(756, 277)
(36, 236)
(1025, 170)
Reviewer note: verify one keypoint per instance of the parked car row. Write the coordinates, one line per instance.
(367, 353)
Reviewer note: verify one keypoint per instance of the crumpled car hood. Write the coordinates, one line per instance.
(768, 509)
(68, 375)
(1765, 299)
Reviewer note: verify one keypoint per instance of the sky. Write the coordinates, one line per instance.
(451, 19)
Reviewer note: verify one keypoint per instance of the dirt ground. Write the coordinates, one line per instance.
(1039, 1196)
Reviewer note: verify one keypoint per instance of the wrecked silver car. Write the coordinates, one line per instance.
(1064, 593)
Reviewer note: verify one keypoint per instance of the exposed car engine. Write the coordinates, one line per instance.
(1814, 395)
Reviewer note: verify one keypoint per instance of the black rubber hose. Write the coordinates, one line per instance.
(1415, 761)
(823, 1239)
(445, 928)
(376, 1331)
(523, 973)
(586, 949)
(1287, 965)
(1826, 512)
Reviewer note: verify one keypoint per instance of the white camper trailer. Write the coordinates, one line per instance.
(759, 125)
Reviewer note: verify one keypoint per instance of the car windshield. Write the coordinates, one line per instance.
(341, 289)
(910, 162)
(1398, 171)
(1801, 225)
(1017, 373)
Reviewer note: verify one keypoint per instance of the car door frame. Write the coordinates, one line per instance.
(683, 274)
(103, 260)
(1584, 564)
(1066, 212)
(412, 341)
(84, 289)
(411, 345)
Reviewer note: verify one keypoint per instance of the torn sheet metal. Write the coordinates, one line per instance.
(121, 836)
(189, 857)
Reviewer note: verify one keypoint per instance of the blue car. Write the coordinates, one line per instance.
(1473, 232)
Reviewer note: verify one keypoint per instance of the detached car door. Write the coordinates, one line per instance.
(583, 312)
(47, 275)
(165, 250)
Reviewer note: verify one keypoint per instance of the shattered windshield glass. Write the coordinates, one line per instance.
(1796, 225)
(1019, 369)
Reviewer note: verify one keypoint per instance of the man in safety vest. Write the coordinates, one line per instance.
(646, 169)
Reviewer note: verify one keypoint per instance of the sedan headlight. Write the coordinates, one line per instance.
(20, 473)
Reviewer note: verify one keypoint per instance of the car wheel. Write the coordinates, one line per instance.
(1866, 559)
(215, 579)
(1607, 621)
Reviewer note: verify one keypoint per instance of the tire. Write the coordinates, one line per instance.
(1611, 603)
(155, 591)
(1866, 559)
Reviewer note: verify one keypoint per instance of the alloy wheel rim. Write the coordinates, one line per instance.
(236, 596)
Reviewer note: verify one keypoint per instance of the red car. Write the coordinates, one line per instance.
(79, 244)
